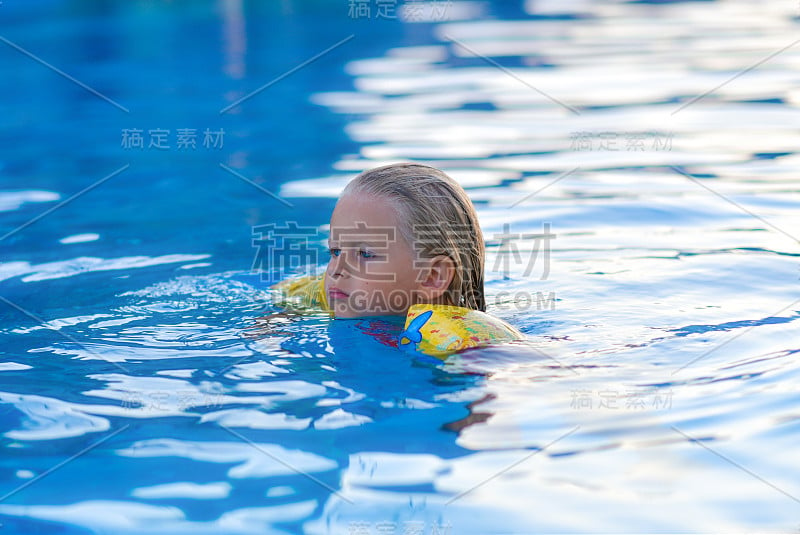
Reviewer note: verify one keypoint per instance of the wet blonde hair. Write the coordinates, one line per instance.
(437, 218)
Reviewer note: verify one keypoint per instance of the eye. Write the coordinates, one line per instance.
(334, 251)
(366, 254)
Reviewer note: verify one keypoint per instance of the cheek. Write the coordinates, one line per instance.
(406, 277)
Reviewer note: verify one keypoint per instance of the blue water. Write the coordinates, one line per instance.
(142, 390)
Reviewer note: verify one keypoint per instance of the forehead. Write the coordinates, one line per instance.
(363, 218)
(371, 210)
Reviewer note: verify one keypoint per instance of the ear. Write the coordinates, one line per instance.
(440, 272)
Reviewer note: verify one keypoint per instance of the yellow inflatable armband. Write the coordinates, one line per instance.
(441, 330)
(302, 294)
(435, 330)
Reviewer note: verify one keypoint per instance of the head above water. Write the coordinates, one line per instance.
(438, 253)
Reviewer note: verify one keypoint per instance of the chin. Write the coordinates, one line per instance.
(345, 314)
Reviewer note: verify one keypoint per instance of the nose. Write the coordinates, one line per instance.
(337, 266)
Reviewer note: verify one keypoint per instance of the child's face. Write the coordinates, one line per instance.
(372, 270)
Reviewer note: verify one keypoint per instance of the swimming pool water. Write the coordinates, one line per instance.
(634, 166)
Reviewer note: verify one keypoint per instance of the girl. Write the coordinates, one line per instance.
(405, 241)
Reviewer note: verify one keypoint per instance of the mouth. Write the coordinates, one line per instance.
(336, 293)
